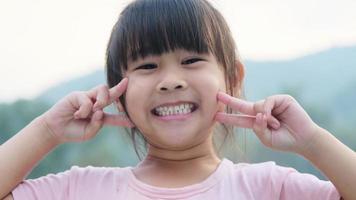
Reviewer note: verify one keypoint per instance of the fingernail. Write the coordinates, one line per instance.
(76, 116)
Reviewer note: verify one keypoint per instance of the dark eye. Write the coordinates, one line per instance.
(146, 66)
(191, 61)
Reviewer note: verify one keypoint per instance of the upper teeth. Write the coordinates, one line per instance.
(174, 110)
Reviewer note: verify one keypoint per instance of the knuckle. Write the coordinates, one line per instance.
(88, 103)
(75, 93)
(98, 87)
(258, 105)
(85, 100)
(255, 108)
(288, 97)
(103, 91)
(270, 98)
(103, 88)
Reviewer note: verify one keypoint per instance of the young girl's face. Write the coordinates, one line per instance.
(180, 78)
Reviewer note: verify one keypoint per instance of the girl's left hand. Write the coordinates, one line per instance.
(278, 121)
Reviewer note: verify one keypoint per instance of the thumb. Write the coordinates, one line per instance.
(94, 125)
(261, 130)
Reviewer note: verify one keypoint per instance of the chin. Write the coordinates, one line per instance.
(178, 141)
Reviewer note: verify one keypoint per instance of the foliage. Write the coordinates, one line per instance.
(311, 80)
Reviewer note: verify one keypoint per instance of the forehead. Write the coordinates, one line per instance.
(148, 28)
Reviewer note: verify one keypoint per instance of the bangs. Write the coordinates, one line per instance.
(154, 27)
(159, 26)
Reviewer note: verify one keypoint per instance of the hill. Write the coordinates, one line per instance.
(326, 79)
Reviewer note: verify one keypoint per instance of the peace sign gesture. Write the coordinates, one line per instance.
(278, 121)
(79, 115)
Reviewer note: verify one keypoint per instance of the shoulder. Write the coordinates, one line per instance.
(75, 183)
(256, 180)
(98, 175)
(268, 178)
(276, 175)
(254, 166)
(92, 171)
(257, 173)
(264, 169)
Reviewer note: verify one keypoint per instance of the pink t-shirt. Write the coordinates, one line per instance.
(229, 181)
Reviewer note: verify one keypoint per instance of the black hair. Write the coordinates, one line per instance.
(153, 27)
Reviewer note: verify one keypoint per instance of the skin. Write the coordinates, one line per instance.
(278, 121)
(173, 150)
(77, 117)
(169, 78)
(296, 133)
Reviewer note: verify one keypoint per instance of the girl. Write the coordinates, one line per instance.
(172, 68)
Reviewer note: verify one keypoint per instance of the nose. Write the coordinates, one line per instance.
(171, 84)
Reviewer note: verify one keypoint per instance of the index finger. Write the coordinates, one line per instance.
(236, 104)
(116, 91)
(118, 120)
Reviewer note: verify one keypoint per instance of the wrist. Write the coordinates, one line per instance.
(312, 149)
(47, 133)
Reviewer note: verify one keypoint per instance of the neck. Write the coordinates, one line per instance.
(177, 168)
(203, 151)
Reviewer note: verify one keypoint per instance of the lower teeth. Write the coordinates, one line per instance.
(173, 113)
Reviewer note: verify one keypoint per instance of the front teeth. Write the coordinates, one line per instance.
(174, 110)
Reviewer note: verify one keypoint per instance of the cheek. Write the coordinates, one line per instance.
(212, 83)
(135, 94)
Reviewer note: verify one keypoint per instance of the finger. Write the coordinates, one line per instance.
(84, 103)
(243, 121)
(94, 125)
(236, 104)
(269, 104)
(261, 130)
(102, 98)
(273, 122)
(116, 91)
(259, 106)
(117, 120)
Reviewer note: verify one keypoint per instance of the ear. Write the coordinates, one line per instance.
(239, 76)
(118, 105)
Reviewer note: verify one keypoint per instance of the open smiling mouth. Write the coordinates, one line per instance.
(178, 109)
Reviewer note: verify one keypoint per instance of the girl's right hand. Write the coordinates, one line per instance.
(79, 116)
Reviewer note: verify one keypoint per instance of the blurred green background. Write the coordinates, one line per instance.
(324, 83)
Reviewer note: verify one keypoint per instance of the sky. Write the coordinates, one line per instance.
(46, 42)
